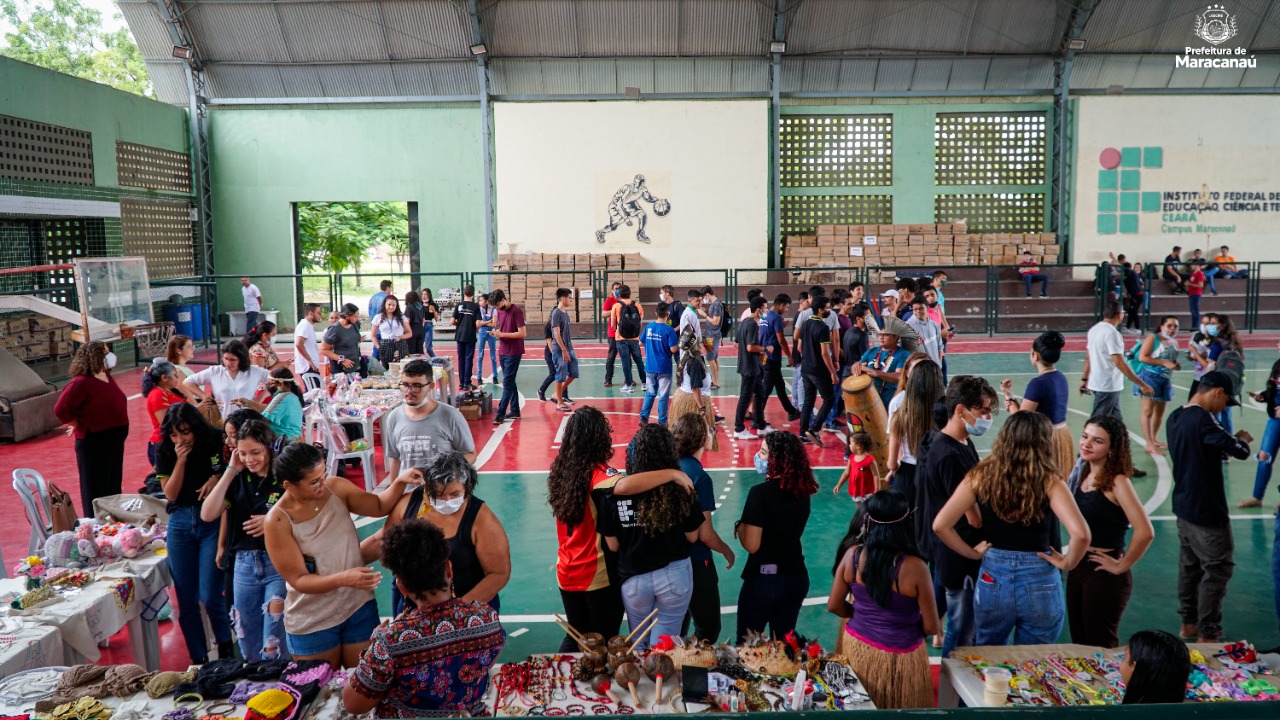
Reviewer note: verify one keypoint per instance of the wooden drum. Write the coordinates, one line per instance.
(862, 402)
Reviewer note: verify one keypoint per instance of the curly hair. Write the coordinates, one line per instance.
(90, 359)
(662, 508)
(789, 464)
(1118, 460)
(449, 467)
(587, 444)
(416, 552)
(1014, 479)
(690, 432)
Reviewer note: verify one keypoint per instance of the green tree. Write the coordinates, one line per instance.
(68, 37)
(334, 236)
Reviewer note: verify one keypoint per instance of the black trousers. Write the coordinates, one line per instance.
(466, 363)
(100, 459)
(592, 611)
(751, 394)
(771, 601)
(1133, 311)
(771, 381)
(704, 606)
(551, 369)
(1096, 600)
(610, 360)
(816, 384)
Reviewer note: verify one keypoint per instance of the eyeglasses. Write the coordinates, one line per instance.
(414, 386)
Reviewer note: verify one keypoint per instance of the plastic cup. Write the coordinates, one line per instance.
(996, 686)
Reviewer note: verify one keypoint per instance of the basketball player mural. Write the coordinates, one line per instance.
(625, 207)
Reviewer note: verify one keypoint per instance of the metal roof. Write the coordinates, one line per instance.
(282, 49)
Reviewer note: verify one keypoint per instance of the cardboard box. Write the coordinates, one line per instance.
(1048, 238)
(827, 230)
(632, 261)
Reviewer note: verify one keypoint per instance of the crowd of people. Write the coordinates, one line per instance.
(943, 547)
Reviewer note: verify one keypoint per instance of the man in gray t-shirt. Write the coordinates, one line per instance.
(416, 432)
(711, 313)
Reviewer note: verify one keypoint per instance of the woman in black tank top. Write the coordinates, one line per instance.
(1098, 588)
(1018, 493)
(478, 547)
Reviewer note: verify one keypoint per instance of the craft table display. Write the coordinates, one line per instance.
(26, 643)
(1082, 675)
(119, 595)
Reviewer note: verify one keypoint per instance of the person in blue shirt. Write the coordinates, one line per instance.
(690, 434)
(661, 342)
(774, 340)
(884, 365)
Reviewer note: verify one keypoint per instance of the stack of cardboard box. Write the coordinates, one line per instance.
(837, 247)
(27, 336)
(534, 278)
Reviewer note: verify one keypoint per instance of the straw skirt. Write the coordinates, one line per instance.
(684, 403)
(1064, 450)
(893, 680)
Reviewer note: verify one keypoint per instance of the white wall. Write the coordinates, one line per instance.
(559, 165)
(1210, 144)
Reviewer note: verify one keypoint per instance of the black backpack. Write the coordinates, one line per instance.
(726, 322)
(628, 321)
(1231, 364)
(674, 311)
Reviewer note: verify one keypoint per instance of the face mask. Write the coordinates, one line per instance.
(1212, 330)
(448, 507)
(762, 464)
(943, 283)
(420, 403)
(1204, 329)
(109, 361)
(933, 304)
(979, 427)
(1165, 335)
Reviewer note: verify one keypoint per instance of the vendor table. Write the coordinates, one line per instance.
(26, 643)
(959, 682)
(374, 405)
(117, 598)
(327, 706)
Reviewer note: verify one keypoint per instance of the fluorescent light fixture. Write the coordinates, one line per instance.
(632, 92)
(777, 48)
(185, 53)
(479, 49)
(1077, 44)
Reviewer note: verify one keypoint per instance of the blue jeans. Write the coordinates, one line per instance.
(797, 388)
(509, 405)
(1194, 302)
(1269, 446)
(428, 338)
(193, 551)
(656, 387)
(1208, 279)
(668, 589)
(1224, 419)
(466, 358)
(1017, 592)
(1237, 274)
(1037, 277)
(773, 601)
(959, 630)
(630, 352)
(486, 339)
(257, 584)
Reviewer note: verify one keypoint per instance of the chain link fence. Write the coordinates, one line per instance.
(535, 292)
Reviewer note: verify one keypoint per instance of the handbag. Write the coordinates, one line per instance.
(62, 513)
(210, 411)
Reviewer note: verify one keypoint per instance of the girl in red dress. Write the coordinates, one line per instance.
(861, 474)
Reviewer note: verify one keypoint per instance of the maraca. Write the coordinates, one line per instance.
(657, 666)
(628, 674)
(601, 685)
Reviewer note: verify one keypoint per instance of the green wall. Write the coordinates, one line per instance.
(33, 93)
(265, 159)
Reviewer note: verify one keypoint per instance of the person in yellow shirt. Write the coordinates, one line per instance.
(1227, 265)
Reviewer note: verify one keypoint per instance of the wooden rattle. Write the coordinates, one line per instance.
(602, 686)
(628, 674)
(657, 666)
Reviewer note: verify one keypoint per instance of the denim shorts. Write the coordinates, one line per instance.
(354, 630)
(565, 367)
(1161, 385)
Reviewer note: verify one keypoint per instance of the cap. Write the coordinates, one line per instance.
(1216, 379)
(889, 293)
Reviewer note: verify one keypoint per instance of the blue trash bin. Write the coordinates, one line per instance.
(187, 320)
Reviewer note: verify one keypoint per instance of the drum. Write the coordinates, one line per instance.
(862, 402)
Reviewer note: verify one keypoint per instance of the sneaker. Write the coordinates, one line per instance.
(1139, 473)
(628, 389)
(766, 430)
(830, 429)
(542, 395)
(513, 417)
(805, 439)
(608, 383)
(746, 435)
(568, 400)
(498, 420)
(719, 419)
(816, 437)
(793, 416)
(644, 421)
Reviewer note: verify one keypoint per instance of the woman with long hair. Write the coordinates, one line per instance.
(1155, 669)
(329, 610)
(97, 414)
(920, 390)
(391, 332)
(775, 580)
(1158, 354)
(284, 409)
(1270, 445)
(235, 377)
(259, 340)
(578, 486)
(693, 385)
(892, 608)
(160, 391)
(1098, 589)
(243, 496)
(188, 465)
(1047, 394)
(1017, 492)
(429, 314)
(415, 313)
(486, 325)
(653, 534)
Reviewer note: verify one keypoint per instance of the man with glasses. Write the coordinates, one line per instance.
(422, 428)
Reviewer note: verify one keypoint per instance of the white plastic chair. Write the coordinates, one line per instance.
(34, 493)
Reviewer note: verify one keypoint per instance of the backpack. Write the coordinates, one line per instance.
(726, 322)
(628, 321)
(1135, 364)
(1231, 364)
(674, 311)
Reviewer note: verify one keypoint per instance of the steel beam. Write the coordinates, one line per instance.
(1081, 12)
(367, 99)
(775, 131)
(486, 133)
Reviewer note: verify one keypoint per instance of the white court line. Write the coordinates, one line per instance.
(517, 633)
(1261, 516)
(1164, 476)
(1249, 402)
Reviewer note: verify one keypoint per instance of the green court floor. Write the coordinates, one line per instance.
(519, 499)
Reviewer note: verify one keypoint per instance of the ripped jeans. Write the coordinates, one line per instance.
(257, 585)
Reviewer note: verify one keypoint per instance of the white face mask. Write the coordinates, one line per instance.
(109, 361)
(448, 507)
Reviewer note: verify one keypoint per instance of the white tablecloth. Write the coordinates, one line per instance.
(33, 645)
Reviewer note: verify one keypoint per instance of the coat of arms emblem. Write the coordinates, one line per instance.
(1215, 25)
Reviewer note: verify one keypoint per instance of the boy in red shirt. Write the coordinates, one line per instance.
(1195, 289)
